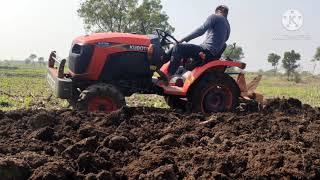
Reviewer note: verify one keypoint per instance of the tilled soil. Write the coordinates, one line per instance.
(282, 140)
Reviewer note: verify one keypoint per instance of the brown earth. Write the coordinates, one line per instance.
(282, 140)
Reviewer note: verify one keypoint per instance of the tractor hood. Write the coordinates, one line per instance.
(124, 38)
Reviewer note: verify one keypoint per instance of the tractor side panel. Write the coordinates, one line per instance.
(98, 61)
(126, 66)
(106, 45)
(102, 55)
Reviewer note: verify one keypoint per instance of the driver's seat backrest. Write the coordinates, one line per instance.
(218, 55)
(206, 57)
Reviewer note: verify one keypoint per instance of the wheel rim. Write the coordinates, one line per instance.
(217, 98)
(101, 104)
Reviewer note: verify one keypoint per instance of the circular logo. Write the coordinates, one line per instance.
(292, 20)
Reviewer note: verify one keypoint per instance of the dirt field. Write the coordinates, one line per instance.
(282, 140)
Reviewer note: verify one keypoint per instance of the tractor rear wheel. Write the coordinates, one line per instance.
(215, 92)
(101, 98)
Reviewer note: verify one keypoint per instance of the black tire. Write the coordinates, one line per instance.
(215, 92)
(175, 103)
(101, 98)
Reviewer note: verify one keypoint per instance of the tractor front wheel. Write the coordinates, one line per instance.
(101, 98)
(215, 92)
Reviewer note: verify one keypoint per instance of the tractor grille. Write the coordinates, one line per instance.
(80, 57)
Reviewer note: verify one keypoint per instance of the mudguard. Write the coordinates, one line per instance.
(196, 74)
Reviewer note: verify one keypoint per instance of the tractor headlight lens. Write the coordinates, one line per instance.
(77, 49)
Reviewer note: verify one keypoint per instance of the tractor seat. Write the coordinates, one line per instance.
(204, 58)
(211, 57)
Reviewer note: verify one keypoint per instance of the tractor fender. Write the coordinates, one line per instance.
(199, 71)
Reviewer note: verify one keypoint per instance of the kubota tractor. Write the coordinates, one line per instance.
(105, 68)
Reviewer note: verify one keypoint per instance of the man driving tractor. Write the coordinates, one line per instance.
(218, 32)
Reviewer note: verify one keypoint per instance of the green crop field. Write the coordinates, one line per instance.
(308, 91)
(24, 86)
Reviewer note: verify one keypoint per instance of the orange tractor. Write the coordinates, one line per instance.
(105, 68)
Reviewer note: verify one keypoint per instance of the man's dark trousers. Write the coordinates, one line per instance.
(181, 51)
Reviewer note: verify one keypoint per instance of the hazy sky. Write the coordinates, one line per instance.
(39, 26)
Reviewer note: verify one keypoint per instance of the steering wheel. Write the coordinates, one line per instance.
(166, 38)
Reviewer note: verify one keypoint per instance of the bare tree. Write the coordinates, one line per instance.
(274, 60)
(41, 61)
(290, 63)
(32, 58)
(316, 59)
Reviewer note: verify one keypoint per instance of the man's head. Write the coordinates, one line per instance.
(222, 10)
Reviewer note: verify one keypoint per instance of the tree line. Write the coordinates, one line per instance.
(290, 62)
(32, 60)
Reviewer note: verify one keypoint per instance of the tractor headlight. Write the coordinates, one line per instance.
(77, 49)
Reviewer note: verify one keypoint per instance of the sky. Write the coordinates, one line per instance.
(40, 26)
